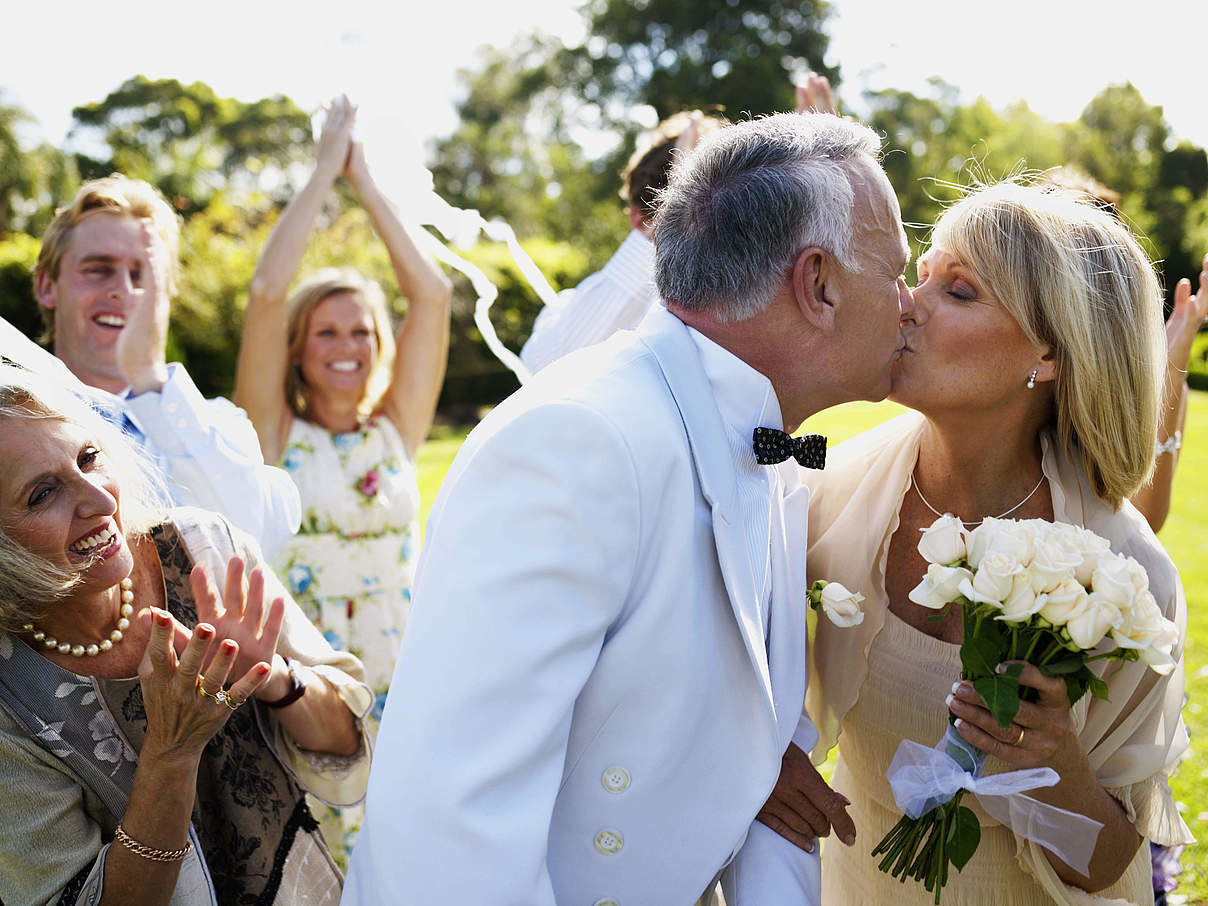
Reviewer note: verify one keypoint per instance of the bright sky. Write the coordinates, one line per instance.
(399, 59)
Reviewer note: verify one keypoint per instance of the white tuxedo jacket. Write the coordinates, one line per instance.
(585, 709)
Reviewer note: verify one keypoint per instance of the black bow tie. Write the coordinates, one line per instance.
(773, 445)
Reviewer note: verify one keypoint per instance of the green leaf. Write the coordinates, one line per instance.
(1098, 687)
(964, 835)
(1076, 686)
(979, 656)
(1063, 666)
(1001, 695)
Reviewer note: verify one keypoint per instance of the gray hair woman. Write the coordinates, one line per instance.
(157, 735)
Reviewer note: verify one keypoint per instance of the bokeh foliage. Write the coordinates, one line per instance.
(543, 133)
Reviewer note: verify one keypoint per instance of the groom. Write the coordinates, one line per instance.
(606, 656)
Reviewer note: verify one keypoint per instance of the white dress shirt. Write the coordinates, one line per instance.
(210, 455)
(746, 401)
(614, 298)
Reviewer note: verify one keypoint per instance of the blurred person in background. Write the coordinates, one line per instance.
(344, 405)
(618, 296)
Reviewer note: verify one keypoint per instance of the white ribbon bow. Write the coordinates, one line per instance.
(923, 778)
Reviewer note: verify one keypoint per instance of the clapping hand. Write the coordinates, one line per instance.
(689, 138)
(240, 615)
(186, 707)
(141, 344)
(356, 170)
(334, 140)
(815, 95)
(1186, 319)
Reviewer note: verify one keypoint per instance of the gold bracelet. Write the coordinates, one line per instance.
(147, 852)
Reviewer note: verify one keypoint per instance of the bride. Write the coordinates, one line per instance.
(1034, 363)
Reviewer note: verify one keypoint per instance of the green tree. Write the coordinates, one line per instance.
(545, 129)
(31, 181)
(1125, 143)
(190, 142)
(677, 56)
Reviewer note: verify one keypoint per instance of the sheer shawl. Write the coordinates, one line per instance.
(1134, 740)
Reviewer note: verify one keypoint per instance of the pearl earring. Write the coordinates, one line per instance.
(1032, 378)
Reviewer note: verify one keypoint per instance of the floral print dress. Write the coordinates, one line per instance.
(351, 565)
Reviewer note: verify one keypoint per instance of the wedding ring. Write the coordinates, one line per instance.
(232, 703)
(1019, 740)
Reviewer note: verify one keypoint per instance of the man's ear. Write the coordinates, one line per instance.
(44, 289)
(638, 221)
(814, 289)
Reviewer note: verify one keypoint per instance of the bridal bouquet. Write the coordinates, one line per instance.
(1050, 594)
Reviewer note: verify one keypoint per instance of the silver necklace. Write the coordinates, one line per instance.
(95, 648)
(919, 491)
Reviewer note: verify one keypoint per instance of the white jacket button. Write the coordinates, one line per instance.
(606, 902)
(615, 780)
(609, 842)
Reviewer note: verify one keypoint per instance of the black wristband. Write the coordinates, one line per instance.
(296, 689)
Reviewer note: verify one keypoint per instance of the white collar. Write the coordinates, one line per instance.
(744, 397)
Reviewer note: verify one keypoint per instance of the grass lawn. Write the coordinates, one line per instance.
(1185, 536)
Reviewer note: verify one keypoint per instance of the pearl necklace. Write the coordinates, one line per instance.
(919, 491)
(123, 623)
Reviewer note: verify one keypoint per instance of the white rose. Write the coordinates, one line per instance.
(1092, 620)
(1022, 602)
(1112, 579)
(994, 579)
(943, 541)
(1052, 566)
(1136, 572)
(1158, 654)
(1090, 548)
(1003, 536)
(842, 606)
(940, 585)
(1063, 601)
(1141, 623)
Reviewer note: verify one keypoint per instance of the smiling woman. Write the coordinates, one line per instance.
(343, 406)
(123, 676)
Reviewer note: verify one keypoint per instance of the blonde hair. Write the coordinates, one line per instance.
(114, 194)
(1076, 279)
(29, 584)
(306, 298)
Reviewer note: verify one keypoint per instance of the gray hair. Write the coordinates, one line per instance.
(739, 209)
(29, 584)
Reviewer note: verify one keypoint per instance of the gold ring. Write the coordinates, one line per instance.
(201, 690)
(1019, 740)
(232, 703)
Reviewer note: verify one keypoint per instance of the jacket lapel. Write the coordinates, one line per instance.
(668, 338)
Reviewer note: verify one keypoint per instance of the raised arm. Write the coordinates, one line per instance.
(1153, 500)
(264, 353)
(422, 339)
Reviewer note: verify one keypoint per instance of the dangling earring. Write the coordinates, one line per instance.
(1032, 378)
